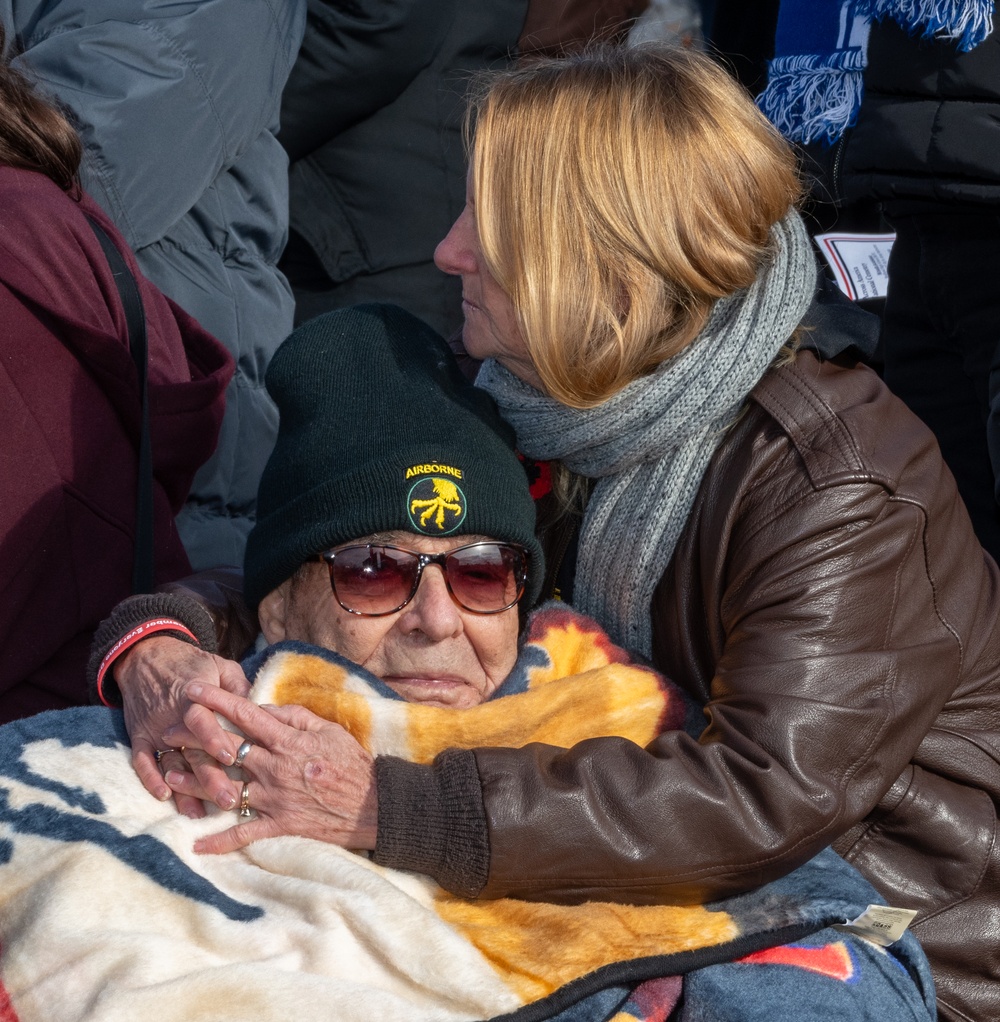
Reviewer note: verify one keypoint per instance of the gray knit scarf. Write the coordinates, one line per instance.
(650, 444)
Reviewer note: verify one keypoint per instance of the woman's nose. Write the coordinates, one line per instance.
(456, 252)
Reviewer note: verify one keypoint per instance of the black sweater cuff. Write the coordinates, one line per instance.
(431, 820)
(135, 611)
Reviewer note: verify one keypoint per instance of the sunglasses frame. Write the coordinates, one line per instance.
(329, 556)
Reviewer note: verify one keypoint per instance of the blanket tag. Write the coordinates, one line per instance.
(882, 924)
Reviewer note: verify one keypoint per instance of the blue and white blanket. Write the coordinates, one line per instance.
(107, 915)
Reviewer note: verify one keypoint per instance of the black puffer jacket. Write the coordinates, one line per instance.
(929, 125)
(372, 117)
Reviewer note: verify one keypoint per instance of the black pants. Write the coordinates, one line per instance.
(941, 338)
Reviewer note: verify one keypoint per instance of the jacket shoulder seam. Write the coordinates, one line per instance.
(824, 442)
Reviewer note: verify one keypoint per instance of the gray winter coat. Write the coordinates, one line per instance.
(177, 105)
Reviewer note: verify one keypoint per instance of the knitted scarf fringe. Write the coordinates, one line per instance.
(809, 98)
(967, 22)
(815, 97)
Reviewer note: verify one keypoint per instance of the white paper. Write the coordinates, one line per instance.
(860, 262)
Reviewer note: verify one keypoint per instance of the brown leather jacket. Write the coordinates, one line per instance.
(830, 607)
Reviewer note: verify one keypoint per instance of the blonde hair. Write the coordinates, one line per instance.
(619, 193)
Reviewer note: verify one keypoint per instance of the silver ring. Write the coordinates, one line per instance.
(245, 809)
(160, 753)
(241, 752)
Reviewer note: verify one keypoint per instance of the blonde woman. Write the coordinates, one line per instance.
(773, 529)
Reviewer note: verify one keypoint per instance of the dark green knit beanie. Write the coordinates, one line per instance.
(380, 431)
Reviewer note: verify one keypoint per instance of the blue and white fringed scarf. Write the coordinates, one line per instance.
(815, 80)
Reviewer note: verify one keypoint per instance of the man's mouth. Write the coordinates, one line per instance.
(425, 681)
(446, 691)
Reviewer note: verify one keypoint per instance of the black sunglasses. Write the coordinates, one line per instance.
(374, 579)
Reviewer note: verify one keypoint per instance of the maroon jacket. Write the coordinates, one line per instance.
(69, 436)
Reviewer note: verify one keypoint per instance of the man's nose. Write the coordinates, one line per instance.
(432, 610)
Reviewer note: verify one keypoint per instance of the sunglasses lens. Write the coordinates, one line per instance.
(372, 579)
(486, 578)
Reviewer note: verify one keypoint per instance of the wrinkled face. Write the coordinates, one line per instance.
(432, 651)
(491, 329)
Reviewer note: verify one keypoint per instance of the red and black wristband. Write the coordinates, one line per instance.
(138, 618)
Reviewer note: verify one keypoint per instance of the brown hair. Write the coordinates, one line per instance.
(619, 194)
(34, 134)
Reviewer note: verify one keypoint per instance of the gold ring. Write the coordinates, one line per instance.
(245, 800)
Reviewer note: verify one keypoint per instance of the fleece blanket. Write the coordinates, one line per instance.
(107, 914)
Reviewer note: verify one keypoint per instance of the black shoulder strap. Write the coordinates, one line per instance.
(135, 318)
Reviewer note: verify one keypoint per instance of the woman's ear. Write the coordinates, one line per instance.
(272, 611)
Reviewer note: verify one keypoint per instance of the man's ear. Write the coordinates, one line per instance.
(272, 611)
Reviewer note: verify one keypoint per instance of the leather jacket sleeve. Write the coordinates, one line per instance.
(814, 709)
(823, 623)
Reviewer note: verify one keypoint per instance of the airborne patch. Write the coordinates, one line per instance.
(436, 506)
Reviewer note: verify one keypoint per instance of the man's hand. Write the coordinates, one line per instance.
(306, 776)
(153, 677)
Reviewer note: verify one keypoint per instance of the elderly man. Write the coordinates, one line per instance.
(405, 546)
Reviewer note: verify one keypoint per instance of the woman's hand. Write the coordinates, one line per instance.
(305, 775)
(153, 677)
